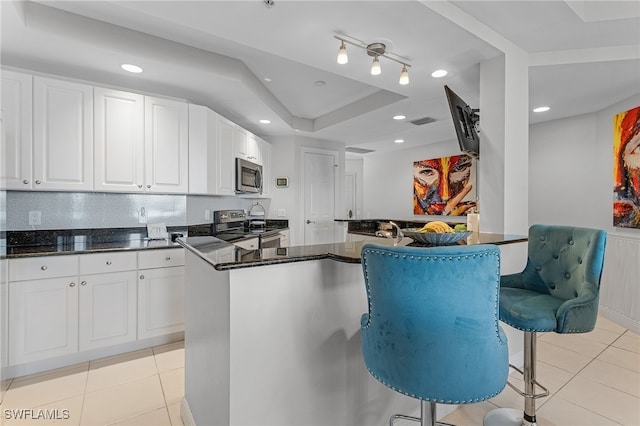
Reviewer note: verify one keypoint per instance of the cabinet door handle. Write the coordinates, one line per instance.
(149, 186)
(38, 182)
(140, 186)
(108, 262)
(83, 283)
(142, 277)
(167, 258)
(72, 284)
(43, 267)
(26, 182)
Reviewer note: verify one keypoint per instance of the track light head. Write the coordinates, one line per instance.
(375, 66)
(342, 54)
(404, 76)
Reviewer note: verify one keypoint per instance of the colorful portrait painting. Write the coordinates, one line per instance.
(444, 186)
(626, 169)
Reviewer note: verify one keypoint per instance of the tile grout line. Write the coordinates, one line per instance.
(582, 369)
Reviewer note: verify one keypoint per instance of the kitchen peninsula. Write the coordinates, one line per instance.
(272, 336)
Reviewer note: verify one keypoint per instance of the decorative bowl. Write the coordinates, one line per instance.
(435, 238)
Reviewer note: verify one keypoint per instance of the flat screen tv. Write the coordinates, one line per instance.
(464, 121)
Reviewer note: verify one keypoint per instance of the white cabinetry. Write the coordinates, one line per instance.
(248, 243)
(141, 143)
(166, 145)
(4, 316)
(43, 314)
(246, 145)
(119, 140)
(16, 148)
(64, 304)
(62, 135)
(107, 301)
(284, 238)
(267, 176)
(160, 292)
(211, 153)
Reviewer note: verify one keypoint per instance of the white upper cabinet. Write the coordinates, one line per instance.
(62, 135)
(118, 140)
(226, 165)
(267, 175)
(16, 124)
(211, 152)
(141, 143)
(247, 145)
(166, 145)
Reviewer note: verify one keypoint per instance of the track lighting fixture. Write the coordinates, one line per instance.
(342, 54)
(376, 50)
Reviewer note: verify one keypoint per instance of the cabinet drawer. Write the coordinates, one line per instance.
(35, 268)
(107, 262)
(160, 258)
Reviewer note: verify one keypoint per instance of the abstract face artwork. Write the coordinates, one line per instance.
(626, 169)
(444, 186)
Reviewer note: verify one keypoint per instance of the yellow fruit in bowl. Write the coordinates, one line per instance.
(436, 226)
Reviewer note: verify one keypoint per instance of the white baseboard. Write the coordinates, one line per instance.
(619, 319)
(19, 370)
(185, 414)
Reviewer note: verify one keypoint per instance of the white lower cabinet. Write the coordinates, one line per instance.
(60, 305)
(160, 301)
(107, 309)
(43, 319)
(160, 292)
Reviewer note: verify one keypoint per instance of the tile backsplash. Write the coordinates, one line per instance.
(80, 210)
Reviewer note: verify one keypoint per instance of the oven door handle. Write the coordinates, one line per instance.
(270, 238)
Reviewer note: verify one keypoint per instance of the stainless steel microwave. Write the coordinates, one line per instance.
(248, 176)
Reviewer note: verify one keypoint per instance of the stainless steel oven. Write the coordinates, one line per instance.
(248, 176)
(270, 240)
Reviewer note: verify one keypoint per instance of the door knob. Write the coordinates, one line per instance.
(309, 221)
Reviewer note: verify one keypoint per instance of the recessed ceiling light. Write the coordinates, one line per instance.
(439, 73)
(265, 121)
(541, 109)
(131, 68)
(319, 83)
(399, 140)
(267, 79)
(399, 117)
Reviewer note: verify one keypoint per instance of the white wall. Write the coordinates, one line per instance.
(356, 167)
(286, 161)
(571, 170)
(388, 181)
(571, 183)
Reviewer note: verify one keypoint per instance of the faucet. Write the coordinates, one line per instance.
(388, 234)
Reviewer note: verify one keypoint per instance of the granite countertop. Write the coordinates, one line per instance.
(19, 244)
(224, 256)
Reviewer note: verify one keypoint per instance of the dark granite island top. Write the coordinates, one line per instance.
(288, 319)
(224, 256)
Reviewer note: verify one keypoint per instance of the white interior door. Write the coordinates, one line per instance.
(319, 176)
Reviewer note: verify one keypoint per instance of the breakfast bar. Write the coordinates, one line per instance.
(272, 336)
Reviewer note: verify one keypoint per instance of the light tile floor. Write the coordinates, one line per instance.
(594, 379)
(136, 389)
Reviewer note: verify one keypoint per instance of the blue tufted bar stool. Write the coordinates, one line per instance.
(556, 292)
(431, 331)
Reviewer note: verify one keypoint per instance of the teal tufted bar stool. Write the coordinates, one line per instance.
(431, 331)
(556, 292)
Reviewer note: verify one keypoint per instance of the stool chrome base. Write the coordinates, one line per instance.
(427, 416)
(505, 417)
